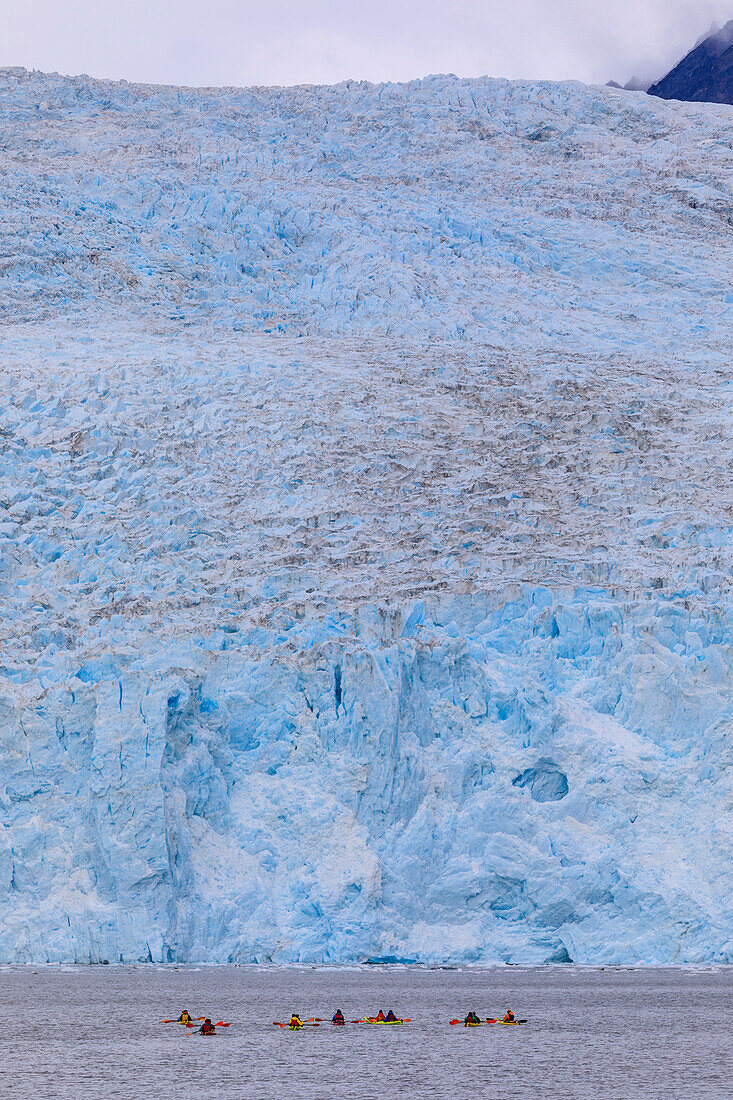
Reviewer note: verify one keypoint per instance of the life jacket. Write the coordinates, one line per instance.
(391, 1017)
(184, 1018)
(208, 1029)
(295, 1021)
(338, 1018)
(380, 1015)
(509, 1018)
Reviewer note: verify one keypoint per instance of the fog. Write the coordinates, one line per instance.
(223, 42)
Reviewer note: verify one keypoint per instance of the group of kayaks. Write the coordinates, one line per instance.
(206, 1025)
(472, 1020)
(297, 1023)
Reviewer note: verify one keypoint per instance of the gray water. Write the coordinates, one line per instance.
(632, 1035)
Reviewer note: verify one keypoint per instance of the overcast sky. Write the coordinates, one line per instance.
(214, 42)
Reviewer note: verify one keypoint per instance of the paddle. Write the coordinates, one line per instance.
(306, 1023)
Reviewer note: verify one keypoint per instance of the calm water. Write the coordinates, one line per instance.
(632, 1035)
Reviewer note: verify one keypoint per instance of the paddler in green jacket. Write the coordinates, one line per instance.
(472, 1018)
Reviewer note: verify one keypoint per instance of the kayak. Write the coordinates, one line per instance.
(338, 1023)
(296, 1027)
(389, 1023)
(511, 1023)
(472, 1025)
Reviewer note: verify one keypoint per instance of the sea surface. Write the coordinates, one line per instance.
(611, 1033)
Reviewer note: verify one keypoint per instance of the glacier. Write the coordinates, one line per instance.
(365, 524)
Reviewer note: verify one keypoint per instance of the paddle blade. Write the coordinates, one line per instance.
(169, 1021)
(451, 1022)
(220, 1023)
(491, 1021)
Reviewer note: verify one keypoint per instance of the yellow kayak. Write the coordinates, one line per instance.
(472, 1025)
(389, 1023)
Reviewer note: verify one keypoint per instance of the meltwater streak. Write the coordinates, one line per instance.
(617, 1033)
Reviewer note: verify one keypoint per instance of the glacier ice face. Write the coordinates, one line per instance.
(254, 799)
(365, 541)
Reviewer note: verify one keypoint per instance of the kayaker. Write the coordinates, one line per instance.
(472, 1018)
(338, 1017)
(380, 1016)
(184, 1018)
(207, 1028)
(295, 1021)
(509, 1018)
(390, 1018)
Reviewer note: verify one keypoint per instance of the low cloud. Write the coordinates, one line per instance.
(285, 41)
